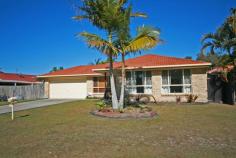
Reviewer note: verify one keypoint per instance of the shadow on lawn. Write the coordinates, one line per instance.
(22, 116)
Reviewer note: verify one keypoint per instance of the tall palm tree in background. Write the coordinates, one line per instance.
(223, 41)
(222, 45)
(107, 15)
(231, 21)
(99, 61)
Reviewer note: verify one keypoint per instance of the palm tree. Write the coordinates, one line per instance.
(214, 43)
(108, 15)
(147, 37)
(222, 43)
(224, 39)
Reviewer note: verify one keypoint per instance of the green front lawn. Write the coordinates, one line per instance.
(3, 103)
(68, 130)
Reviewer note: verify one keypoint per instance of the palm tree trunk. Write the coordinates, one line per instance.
(112, 79)
(122, 93)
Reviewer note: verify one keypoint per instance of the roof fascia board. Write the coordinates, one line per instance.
(74, 75)
(16, 81)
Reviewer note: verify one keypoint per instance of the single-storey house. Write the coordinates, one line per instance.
(22, 86)
(14, 79)
(161, 76)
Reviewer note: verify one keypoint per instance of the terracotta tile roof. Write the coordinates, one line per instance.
(149, 60)
(17, 77)
(77, 70)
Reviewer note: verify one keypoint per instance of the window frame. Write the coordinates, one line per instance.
(172, 85)
(98, 86)
(144, 77)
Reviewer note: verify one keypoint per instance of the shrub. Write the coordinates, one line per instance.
(191, 98)
(178, 99)
(121, 110)
(101, 105)
(144, 108)
(144, 99)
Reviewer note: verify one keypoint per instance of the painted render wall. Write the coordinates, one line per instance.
(50, 80)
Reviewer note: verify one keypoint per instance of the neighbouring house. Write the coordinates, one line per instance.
(161, 76)
(20, 85)
(11, 79)
(220, 89)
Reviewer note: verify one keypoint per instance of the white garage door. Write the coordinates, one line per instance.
(68, 90)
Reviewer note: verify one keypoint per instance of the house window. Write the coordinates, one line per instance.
(99, 84)
(139, 82)
(176, 81)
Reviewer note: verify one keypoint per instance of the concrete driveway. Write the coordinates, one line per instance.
(33, 104)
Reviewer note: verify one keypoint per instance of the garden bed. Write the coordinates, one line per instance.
(123, 115)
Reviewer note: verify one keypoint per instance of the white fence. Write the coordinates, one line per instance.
(27, 92)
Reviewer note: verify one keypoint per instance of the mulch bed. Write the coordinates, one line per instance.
(118, 115)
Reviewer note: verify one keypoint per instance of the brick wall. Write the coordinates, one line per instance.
(199, 86)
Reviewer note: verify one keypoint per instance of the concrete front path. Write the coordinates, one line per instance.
(33, 104)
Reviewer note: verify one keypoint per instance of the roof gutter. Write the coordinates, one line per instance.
(16, 81)
(128, 68)
(162, 66)
(74, 75)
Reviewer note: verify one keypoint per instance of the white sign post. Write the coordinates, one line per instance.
(12, 101)
(12, 111)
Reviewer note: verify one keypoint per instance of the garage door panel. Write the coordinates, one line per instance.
(68, 90)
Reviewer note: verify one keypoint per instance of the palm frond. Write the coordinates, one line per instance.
(147, 38)
(229, 44)
(80, 17)
(212, 49)
(122, 2)
(232, 42)
(139, 14)
(208, 36)
(94, 41)
(148, 30)
(205, 45)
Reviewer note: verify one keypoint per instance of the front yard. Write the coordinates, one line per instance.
(68, 130)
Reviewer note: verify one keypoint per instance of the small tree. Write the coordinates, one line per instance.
(56, 68)
(188, 57)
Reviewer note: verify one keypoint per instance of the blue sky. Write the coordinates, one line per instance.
(36, 35)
